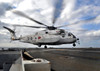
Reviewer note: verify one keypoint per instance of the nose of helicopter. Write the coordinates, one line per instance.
(75, 38)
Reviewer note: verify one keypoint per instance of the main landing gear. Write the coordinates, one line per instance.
(74, 44)
(45, 47)
(39, 45)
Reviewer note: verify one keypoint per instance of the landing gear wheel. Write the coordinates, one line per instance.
(39, 45)
(45, 47)
(74, 44)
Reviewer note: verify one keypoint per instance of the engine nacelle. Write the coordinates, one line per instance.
(55, 32)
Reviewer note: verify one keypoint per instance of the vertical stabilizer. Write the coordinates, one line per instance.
(13, 36)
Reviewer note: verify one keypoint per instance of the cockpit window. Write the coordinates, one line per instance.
(31, 38)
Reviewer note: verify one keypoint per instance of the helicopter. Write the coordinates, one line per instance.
(50, 36)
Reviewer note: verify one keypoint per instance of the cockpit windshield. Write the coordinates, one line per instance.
(70, 34)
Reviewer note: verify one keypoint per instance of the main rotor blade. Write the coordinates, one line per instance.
(24, 15)
(58, 7)
(29, 26)
(66, 25)
(78, 22)
(84, 30)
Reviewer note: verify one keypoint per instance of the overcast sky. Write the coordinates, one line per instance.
(85, 14)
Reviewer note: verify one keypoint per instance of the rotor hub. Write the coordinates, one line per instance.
(51, 27)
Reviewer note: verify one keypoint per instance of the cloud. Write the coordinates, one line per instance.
(4, 7)
(3, 32)
(68, 9)
(93, 33)
(3, 24)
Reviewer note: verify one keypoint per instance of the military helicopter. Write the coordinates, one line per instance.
(50, 36)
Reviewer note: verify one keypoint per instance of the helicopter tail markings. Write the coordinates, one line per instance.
(13, 36)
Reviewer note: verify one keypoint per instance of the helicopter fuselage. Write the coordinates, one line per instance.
(50, 37)
(46, 37)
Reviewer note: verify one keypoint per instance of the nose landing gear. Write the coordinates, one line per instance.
(78, 41)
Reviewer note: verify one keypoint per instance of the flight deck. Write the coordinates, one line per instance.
(61, 59)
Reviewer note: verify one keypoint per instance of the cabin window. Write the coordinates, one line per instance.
(35, 38)
(63, 35)
(46, 32)
(62, 31)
